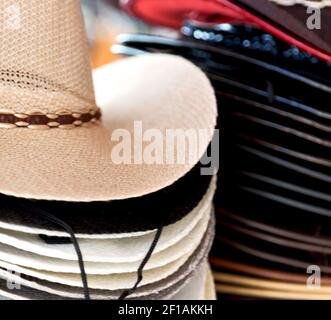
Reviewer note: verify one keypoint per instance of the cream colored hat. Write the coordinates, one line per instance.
(199, 285)
(55, 142)
(155, 280)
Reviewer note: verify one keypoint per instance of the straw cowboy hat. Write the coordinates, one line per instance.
(55, 142)
(111, 219)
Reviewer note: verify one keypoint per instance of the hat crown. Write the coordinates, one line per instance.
(44, 65)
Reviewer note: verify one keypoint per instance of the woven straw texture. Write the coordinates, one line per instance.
(44, 58)
(45, 68)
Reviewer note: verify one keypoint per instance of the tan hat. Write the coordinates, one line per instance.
(53, 145)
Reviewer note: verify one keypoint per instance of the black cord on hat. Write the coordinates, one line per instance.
(127, 292)
(67, 228)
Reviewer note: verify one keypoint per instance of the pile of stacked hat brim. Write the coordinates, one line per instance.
(273, 199)
(73, 223)
(38, 255)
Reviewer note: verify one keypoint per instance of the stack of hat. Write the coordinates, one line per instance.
(74, 222)
(273, 86)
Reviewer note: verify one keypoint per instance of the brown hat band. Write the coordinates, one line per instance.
(39, 120)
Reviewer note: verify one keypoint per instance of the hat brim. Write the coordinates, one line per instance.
(162, 91)
(181, 288)
(108, 282)
(210, 290)
(286, 22)
(129, 217)
(33, 259)
(132, 249)
(166, 287)
(290, 24)
(176, 270)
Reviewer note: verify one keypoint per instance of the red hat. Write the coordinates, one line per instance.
(286, 19)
